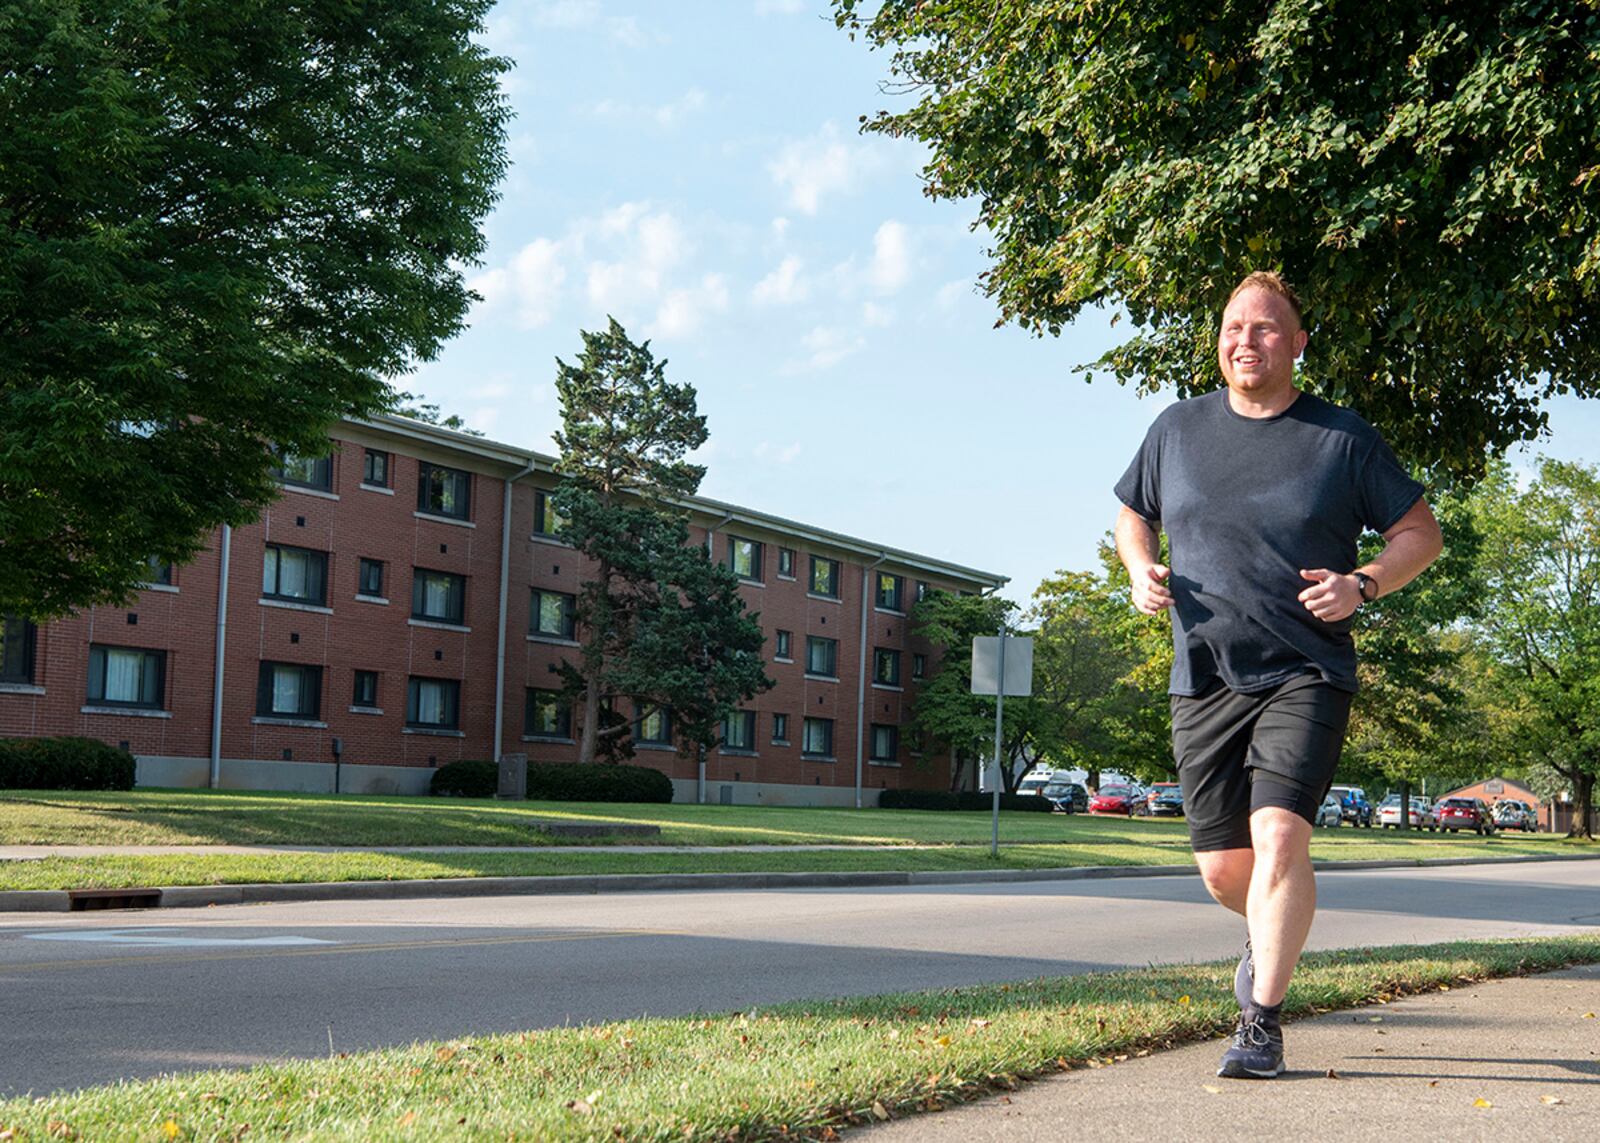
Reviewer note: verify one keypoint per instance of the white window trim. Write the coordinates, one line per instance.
(439, 625)
(290, 605)
(21, 689)
(376, 488)
(304, 491)
(288, 720)
(366, 710)
(444, 519)
(371, 599)
(432, 732)
(126, 711)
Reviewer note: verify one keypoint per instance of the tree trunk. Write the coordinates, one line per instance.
(1405, 804)
(1091, 779)
(594, 663)
(1583, 791)
(959, 774)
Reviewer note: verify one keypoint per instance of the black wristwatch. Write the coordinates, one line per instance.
(1364, 581)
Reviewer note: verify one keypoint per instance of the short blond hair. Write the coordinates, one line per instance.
(1273, 283)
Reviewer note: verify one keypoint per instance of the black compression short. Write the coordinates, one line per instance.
(1239, 752)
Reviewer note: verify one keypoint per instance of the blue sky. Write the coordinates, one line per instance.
(693, 167)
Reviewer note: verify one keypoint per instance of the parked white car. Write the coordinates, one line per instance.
(1330, 813)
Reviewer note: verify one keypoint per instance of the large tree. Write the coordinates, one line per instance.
(1541, 566)
(1422, 169)
(223, 225)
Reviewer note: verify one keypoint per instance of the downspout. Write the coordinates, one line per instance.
(505, 583)
(861, 672)
(214, 776)
(700, 768)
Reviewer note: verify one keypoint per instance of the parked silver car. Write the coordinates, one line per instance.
(1330, 813)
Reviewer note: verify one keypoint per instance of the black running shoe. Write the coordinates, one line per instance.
(1256, 1051)
(1244, 978)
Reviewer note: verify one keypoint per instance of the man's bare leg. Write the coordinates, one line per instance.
(1226, 873)
(1282, 898)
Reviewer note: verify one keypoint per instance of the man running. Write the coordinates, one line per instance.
(1263, 492)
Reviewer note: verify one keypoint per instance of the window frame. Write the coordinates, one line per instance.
(381, 481)
(780, 728)
(757, 557)
(18, 666)
(783, 644)
(266, 690)
(919, 666)
(896, 599)
(786, 556)
(569, 613)
(643, 711)
(362, 566)
(457, 595)
(321, 479)
(746, 720)
(157, 657)
(547, 521)
(873, 753)
(834, 569)
(160, 572)
(826, 726)
(357, 696)
(833, 656)
(881, 655)
(414, 685)
(425, 474)
(272, 553)
(563, 708)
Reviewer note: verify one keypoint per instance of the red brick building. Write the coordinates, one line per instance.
(389, 604)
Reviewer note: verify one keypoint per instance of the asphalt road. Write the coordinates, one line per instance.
(90, 998)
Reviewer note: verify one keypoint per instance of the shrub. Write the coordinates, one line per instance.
(468, 778)
(606, 782)
(966, 800)
(64, 764)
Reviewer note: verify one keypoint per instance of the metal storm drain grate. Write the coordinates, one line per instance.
(83, 900)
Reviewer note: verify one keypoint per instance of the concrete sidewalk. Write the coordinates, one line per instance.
(1506, 1059)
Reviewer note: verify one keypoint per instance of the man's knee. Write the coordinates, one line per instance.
(1226, 873)
(1280, 837)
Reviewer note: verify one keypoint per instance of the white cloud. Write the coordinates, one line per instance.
(492, 390)
(566, 13)
(482, 419)
(665, 115)
(826, 346)
(780, 228)
(651, 244)
(875, 316)
(891, 257)
(683, 310)
(530, 284)
(778, 454)
(951, 293)
(782, 7)
(824, 164)
(784, 286)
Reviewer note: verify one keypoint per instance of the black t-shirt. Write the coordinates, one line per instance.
(1246, 503)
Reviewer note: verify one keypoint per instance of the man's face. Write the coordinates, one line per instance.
(1259, 342)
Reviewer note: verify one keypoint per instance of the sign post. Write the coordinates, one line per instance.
(1001, 665)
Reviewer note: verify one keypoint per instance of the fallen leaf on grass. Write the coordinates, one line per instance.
(1551, 1100)
(1481, 1102)
(579, 1107)
(978, 1022)
(879, 1111)
(407, 1119)
(170, 1129)
(1184, 1000)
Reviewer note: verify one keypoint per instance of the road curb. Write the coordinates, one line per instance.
(199, 896)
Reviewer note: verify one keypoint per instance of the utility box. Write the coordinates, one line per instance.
(513, 778)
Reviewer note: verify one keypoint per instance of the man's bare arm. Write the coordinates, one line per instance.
(1412, 543)
(1139, 547)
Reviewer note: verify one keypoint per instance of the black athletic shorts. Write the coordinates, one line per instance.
(1239, 752)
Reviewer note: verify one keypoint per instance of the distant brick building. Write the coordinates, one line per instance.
(409, 598)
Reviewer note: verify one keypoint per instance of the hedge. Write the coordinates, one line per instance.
(557, 782)
(966, 800)
(64, 764)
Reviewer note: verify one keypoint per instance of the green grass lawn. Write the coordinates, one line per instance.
(792, 1070)
(910, 840)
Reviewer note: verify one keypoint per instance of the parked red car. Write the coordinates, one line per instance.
(1465, 813)
(1115, 800)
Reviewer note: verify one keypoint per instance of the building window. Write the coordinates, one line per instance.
(305, 471)
(127, 676)
(375, 468)
(780, 729)
(818, 740)
(444, 491)
(886, 666)
(744, 557)
(366, 689)
(786, 563)
(433, 704)
(885, 743)
(158, 571)
(739, 730)
(822, 656)
(439, 596)
(919, 665)
(824, 577)
(549, 714)
(653, 726)
(289, 690)
(17, 639)
(546, 520)
(923, 588)
(296, 574)
(371, 581)
(891, 591)
(785, 645)
(553, 613)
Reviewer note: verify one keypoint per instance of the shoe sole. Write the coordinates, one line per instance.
(1228, 1071)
